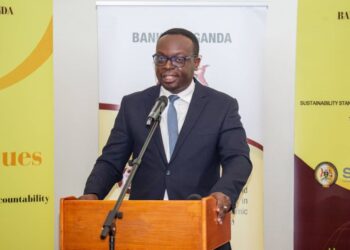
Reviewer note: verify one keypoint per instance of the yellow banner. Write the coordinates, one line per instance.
(26, 127)
(322, 126)
(322, 112)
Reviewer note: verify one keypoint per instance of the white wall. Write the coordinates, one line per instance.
(279, 125)
(76, 97)
(76, 109)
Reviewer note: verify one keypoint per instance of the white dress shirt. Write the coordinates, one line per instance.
(181, 105)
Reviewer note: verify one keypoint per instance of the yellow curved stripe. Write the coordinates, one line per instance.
(38, 56)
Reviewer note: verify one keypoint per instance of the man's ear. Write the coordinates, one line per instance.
(197, 61)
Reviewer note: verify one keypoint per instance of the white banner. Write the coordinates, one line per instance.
(232, 46)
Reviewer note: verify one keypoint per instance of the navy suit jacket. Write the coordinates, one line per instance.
(212, 135)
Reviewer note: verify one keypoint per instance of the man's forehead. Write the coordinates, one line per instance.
(175, 39)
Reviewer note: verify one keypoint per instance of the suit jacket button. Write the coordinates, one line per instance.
(167, 172)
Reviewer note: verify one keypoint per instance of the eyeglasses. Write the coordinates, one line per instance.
(176, 61)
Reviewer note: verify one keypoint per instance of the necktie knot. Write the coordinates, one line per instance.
(173, 98)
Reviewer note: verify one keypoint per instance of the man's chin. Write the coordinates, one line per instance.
(170, 86)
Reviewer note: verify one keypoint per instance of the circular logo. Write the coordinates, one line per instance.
(326, 174)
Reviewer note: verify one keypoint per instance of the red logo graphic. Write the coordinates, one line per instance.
(199, 73)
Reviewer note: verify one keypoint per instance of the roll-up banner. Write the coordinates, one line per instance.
(231, 44)
(322, 126)
(26, 125)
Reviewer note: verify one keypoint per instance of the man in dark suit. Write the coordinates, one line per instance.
(210, 135)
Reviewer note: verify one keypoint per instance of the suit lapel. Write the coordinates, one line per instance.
(153, 94)
(197, 105)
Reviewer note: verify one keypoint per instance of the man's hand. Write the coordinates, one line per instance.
(223, 205)
(88, 197)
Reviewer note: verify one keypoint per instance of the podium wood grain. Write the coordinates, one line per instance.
(146, 225)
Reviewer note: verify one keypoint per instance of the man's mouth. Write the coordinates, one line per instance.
(169, 77)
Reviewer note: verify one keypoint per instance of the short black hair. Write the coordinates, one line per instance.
(186, 33)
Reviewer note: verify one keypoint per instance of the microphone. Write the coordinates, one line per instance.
(194, 197)
(157, 110)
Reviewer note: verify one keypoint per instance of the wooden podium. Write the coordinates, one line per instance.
(151, 225)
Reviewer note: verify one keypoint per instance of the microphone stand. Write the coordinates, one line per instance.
(109, 226)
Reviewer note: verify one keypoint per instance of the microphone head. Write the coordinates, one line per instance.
(164, 100)
(157, 110)
(194, 197)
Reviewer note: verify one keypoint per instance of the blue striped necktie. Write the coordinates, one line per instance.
(172, 124)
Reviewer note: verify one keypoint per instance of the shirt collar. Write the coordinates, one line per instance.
(185, 95)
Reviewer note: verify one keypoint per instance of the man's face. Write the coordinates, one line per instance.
(176, 79)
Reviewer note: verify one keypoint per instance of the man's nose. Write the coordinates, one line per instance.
(168, 64)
